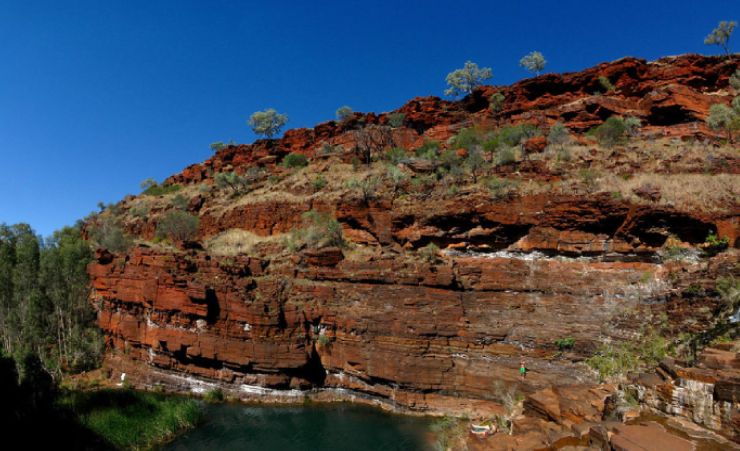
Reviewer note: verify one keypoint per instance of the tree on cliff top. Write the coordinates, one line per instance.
(267, 123)
(721, 35)
(533, 62)
(466, 79)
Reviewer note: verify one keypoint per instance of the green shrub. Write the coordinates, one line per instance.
(606, 84)
(107, 233)
(714, 243)
(217, 146)
(466, 138)
(177, 225)
(323, 340)
(500, 188)
(395, 120)
(612, 132)
(162, 190)
(496, 102)
(617, 359)
(558, 135)
(395, 155)
(506, 156)
(565, 343)
(180, 202)
(214, 396)
(367, 187)
(318, 183)
(429, 150)
(237, 184)
(295, 160)
(429, 253)
(318, 230)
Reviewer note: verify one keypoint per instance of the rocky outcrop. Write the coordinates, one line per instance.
(671, 96)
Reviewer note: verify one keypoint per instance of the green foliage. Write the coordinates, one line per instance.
(565, 343)
(323, 339)
(395, 155)
(318, 183)
(429, 253)
(631, 125)
(395, 120)
(505, 156)
(395, 177)
(448, 432)
(714, 244)
(217, 146)
(133, 420)
(735, 81)
(500, 188)
(722, 117)
(367, 187)
(214, 396)
(466, 79)
(180, 202)
(295, 160)
(44, 306)
(720, 36)
(318, 230)
(475, 163)
(617, 359)
(267, 123)
(235, 183)
(107, 233)
(466, 138)
(533, 62)
(147, 183)
(612, 132)
(177, 225)
(429, 150)
(607, 84)
(558, 135)
(496, 102)
(729, 290)
(344, 112)
(161, 190)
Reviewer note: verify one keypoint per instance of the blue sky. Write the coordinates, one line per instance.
(96, 96)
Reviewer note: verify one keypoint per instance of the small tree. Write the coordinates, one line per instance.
(148, 183)
(465, 80)
(720, 36)
(344, 112)
(232, 181)
(267, 123)
(722, 117)
(496, 102)
(177, 225)
(475, 162)
(218, 145)
(533, 62)
(396, 178)
(558, 135)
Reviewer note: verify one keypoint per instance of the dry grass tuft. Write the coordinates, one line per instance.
(235, 242)
(686, 192)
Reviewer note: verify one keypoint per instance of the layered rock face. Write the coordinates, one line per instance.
(518, 273)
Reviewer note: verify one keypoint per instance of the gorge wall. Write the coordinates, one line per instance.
(517, 272)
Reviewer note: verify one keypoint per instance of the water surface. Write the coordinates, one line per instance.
(314, 427)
